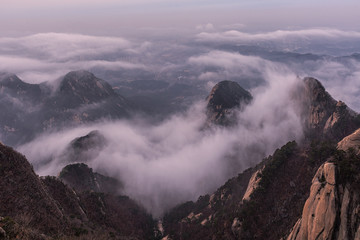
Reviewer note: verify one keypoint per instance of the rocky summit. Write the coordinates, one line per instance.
(323, 115)
(224, 98)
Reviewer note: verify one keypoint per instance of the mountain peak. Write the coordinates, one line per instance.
(83, 87)
(325, 116)
(225, 96)
(10, 78)
(84, 83)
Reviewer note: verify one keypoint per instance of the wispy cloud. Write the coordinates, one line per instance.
(238, 36)
(46, 56)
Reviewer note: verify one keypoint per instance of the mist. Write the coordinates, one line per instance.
(178, 159)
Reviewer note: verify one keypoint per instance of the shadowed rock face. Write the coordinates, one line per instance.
(82, 178)
(46, 208)
(80, 98)
(29, 109)
(223, 98)
(23, 195)
(12, 85)
(82, 87)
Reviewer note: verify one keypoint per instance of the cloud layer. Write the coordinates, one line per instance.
(46, 56)
(177, 160)
(305, 34)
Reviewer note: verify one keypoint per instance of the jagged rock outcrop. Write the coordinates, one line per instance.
(82, 178)
(252, 185)
(225, 97)
(324, 117)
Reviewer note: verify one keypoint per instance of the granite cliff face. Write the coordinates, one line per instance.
(224, 98)
(333, 207)
(319, 214)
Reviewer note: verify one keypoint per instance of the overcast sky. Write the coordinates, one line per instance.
(116, 17)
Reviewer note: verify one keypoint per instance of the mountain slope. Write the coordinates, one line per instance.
(46, 208)
(262, 202)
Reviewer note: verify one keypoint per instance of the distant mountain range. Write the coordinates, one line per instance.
(304, 190)
(80, 97)
(31, 109)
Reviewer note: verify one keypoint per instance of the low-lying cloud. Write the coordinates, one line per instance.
(177, 160)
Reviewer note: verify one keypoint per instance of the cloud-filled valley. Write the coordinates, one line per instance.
(177, 160)
(168, 162)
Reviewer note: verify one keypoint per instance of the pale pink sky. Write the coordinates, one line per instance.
(115, 17)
